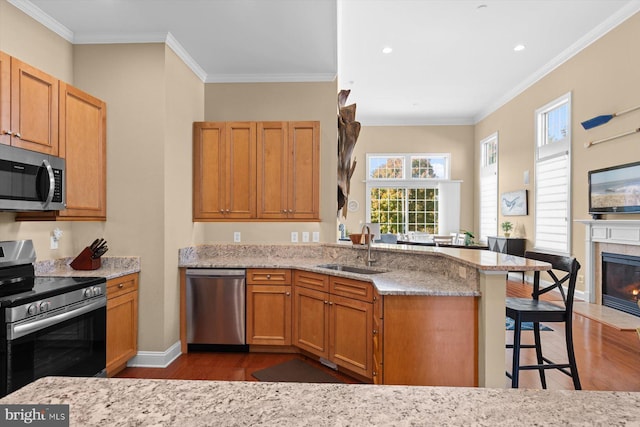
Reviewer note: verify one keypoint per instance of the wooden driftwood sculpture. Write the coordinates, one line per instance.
(348, 131)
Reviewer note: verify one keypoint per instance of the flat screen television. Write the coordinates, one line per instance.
(615, 189)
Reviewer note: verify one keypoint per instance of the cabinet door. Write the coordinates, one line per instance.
(209, 170)
(83, 136)
(311, 321)
(304, 170)
(269, 314)
(272, 169)
(351, 335)
(122, 321)
(240, 158)
(5, 98)
(34, 109)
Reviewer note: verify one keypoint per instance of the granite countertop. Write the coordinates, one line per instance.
(111, 268)
(400, 272)
(140, 402)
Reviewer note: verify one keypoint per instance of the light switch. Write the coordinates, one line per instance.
(294, 237)
(236, 236)
(305, 236)
(316, 236)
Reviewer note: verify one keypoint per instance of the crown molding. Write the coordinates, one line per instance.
(596, 33)
(39, 15)
(415, 121)
(182, 53)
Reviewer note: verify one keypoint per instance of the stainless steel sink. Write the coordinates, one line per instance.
(349, 269)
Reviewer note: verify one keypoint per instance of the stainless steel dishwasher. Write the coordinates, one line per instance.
(216, 318)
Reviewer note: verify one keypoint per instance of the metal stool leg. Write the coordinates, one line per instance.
(571, 355)
(515, 364)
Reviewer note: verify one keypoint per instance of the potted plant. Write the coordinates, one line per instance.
(468, 238)
(506, 228)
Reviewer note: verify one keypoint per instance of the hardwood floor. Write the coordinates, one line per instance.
(608, 359)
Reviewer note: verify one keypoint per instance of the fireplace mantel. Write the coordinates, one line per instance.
(621, 232)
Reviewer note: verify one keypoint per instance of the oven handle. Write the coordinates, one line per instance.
(18, 331)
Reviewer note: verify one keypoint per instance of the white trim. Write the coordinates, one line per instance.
(182, 53)
(596, 33)
(156, 359)
(39, 15)
(484, 172)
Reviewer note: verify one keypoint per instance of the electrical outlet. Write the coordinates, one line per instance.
(305, 237)
(580, 278)
(54, 243)
(236, 236)
(294, 237)
(462, 272)
(316, 236)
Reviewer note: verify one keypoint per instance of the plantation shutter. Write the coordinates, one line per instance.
(552, 204)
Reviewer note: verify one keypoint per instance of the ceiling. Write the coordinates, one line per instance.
(453, 61)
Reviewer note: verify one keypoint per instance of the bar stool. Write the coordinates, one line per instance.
(536, 311)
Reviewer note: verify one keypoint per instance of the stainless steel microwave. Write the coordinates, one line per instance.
(31, 181)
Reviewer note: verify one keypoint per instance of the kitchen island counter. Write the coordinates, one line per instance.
(100, 401)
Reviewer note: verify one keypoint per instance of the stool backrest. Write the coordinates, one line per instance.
(566, 264)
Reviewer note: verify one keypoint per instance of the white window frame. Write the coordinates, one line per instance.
(488, 203)
(407, 182)
(545, 153)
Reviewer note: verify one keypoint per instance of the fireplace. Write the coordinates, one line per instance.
(621, 282)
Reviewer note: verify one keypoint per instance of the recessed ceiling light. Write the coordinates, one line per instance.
(518, 47)
(482, 6)
(387, 49)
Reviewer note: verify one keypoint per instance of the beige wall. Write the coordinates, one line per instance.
(280, 102)
(184, 105)
(603, 79)
(456, 140)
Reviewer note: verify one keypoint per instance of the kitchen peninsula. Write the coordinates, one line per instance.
(440, 311)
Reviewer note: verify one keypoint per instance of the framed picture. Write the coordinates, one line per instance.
(514, 203)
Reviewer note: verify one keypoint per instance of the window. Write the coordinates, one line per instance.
(553, 173)
(488, 187)
(402, 191)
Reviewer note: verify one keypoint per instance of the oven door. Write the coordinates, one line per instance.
(71, 343)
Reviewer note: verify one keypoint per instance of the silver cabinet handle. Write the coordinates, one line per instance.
(268, 277)
(17, 134)
(7, 132)
(287, 293)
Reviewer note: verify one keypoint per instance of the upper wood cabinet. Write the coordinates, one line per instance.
(288, 164)
(33, 123)
(5, 98)
(256, 170)
(224, 158)
(83, 145)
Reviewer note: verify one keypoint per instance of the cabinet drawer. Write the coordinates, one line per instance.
(350, 288)
(122, 285)
(268, 276)
(307, 279)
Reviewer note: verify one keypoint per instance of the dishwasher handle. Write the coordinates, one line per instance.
(210, 272)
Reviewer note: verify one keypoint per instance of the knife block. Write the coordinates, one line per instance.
(85, 262)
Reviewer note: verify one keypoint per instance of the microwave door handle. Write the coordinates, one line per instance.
(52, 182)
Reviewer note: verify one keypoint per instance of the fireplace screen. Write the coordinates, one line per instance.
(621, 282)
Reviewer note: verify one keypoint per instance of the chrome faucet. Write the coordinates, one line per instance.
(367, 239)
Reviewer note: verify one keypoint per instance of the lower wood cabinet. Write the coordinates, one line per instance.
(122, 322)
(269, 307)
(332, 326)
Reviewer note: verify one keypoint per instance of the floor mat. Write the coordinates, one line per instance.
(294, 371)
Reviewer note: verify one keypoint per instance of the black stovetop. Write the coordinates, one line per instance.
(48, 286)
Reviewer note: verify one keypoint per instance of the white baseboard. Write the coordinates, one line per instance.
(155, 359)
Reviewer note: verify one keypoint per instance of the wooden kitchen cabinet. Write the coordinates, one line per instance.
(224, 171)
(122, 322)
(269, 307)
(83, 145)
(31, 120)
(288, 164)
(333, 326)
(256, 171)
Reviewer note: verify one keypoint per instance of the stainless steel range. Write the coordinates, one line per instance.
(50, 325)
